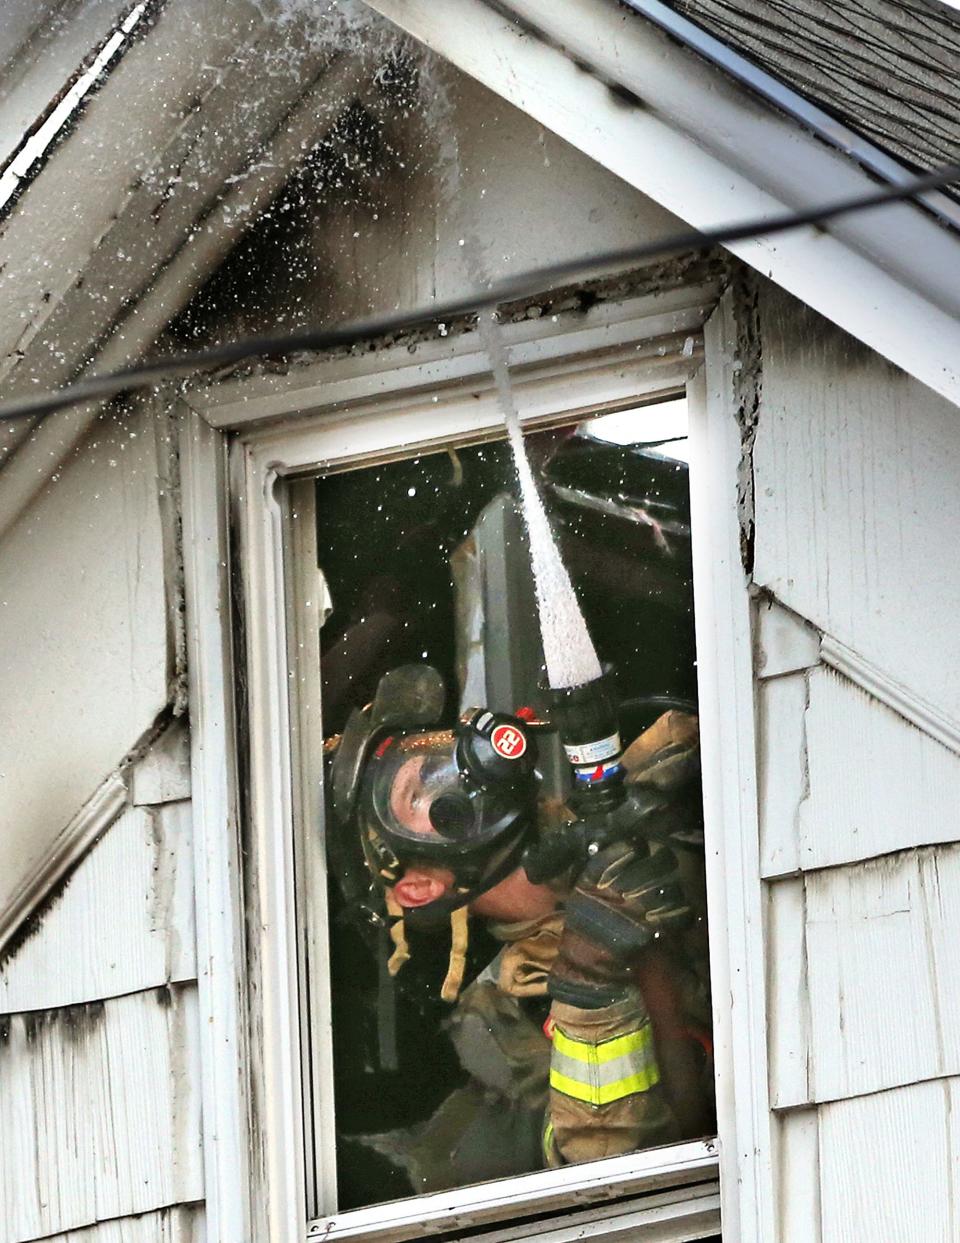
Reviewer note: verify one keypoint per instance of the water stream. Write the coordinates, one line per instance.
(570, 656)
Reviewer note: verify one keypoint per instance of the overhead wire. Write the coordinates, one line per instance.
(509, 289)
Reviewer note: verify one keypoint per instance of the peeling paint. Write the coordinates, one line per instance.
(171, 514)
(748, 379)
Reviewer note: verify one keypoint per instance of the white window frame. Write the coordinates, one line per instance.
(245, 444)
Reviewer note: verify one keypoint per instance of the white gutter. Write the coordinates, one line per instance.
(713, 154)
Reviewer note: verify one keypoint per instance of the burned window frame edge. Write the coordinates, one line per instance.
(273, 444)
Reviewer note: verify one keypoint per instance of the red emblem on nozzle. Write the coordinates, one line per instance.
(508, 741)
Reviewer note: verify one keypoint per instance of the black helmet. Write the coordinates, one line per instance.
(459, 797)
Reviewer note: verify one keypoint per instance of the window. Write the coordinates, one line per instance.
(582, 388)
(425, 562)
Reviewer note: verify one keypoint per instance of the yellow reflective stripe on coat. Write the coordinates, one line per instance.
(548, 1146)
(604, 1072)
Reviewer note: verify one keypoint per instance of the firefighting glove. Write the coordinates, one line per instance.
(667, 755)
(623, 900)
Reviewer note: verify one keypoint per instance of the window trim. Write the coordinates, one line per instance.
(290, 427)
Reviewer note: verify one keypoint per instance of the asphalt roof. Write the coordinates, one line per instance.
(889, 69)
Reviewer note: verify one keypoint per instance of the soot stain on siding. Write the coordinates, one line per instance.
(75, 1023)
(35, 922)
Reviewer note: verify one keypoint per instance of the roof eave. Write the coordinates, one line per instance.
(682, 132)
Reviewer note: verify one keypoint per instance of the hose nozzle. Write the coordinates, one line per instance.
(588, 721)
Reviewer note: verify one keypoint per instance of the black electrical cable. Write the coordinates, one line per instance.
(510, 289)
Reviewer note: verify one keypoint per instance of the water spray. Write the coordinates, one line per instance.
(568, 650)
(584, 704)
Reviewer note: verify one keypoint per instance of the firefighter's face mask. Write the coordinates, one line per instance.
(430, 806)
(461, 799)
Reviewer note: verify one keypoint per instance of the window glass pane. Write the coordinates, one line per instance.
(537, 1008)
(660, 421)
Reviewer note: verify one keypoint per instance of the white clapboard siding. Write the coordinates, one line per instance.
(865, 991)
(99, 1112)
(782, 765)
(788, 1001)
(798, 1176)
(163, 775)
(890, 1166)
(877, 782)
(785, 642)
(844, 777)
(183, 1223)
(857, 487)
(124, 922)
(85, 628)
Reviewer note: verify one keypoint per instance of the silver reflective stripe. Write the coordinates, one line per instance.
(600, 1073)
(607, 1071)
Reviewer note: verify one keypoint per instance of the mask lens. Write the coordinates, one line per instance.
(452, 815)
(419, 797)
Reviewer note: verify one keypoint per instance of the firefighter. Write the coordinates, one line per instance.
(586, 1036)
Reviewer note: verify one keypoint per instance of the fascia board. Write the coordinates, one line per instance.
(708, 151)
(119, 260)
(52, 47)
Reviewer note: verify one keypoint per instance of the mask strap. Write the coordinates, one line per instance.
(459, 937)
(398, 934)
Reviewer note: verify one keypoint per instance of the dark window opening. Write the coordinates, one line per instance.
(425, 563)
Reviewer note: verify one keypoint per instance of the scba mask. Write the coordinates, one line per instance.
(461, 799)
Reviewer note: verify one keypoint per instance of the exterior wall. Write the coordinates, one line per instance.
(86, 647)
(99, 1035)
(855, 480)
(100, 1056)
(855, 509)
(402, 221)
(181, 1224)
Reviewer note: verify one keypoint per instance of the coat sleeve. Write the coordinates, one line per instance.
(605, 1094)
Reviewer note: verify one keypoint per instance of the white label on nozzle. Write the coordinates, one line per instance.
(593, 752)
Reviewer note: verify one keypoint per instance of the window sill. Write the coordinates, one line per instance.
(691, 1167)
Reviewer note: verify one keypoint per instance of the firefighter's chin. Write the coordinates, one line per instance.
(420, 886)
